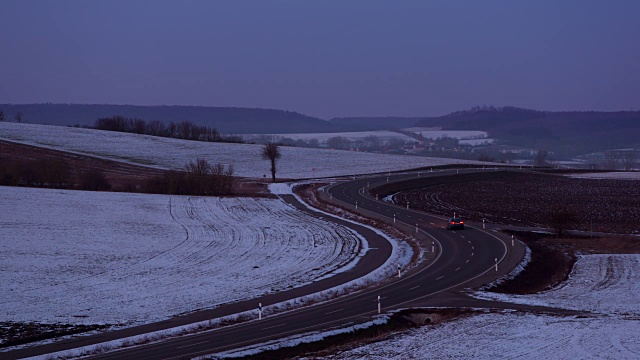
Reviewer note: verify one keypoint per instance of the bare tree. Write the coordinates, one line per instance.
(560, 218)
(338, 142)
(19, 117)
(1, 115)
(611, 159)
(271, 152)
(372, 142)
(94, 180)
(629, 160)
(541, 158)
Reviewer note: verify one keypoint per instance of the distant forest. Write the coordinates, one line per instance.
(563, 134)
(227, 120)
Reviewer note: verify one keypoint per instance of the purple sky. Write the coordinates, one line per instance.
(324, 58)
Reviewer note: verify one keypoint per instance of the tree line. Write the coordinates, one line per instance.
(185, 130)
(50, 173)
(197, 178)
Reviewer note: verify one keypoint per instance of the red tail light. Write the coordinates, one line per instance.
(461, 222)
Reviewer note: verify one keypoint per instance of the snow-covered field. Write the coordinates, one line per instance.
(296, 163)
(606, 285)
(511, 336)
(628, 175)
(383, 135)
(90, 257)
(476, 142)
(430, 133)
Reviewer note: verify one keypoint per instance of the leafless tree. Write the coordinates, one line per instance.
(1, 115)
(630, 160)
(611, 159)
(560, 218)
(95, 180)
(338, 142)
(271, 152)
(19, 117)
(372, 142)
(156, 128)
(541, 158)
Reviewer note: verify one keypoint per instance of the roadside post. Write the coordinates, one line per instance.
(394, 218)
(416, 228)
(356, 204)
(483, 224)
(259, 311)
(378, 304)
(496, 260)
(433, 246)
(398, 270)
(512, 241)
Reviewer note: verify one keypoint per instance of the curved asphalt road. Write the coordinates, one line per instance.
(461, 256)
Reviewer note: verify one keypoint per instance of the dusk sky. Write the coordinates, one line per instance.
(324, 58)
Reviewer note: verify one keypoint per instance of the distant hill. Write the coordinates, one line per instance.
(565, 133)
(370, 123)
(227, 120)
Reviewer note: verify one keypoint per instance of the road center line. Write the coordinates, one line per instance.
(335, 311)
(440, 277)
(457, 269)
(415, 287)
(275, 326)
(472, 254)
(466, 262)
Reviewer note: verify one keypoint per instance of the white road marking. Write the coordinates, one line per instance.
(466, 262)
(440, 277)
(271, 327)
(415, 287)
(335, 311)
(462, 236)
(472, 254)
(473, 248)
(457, 269)
(433, 223)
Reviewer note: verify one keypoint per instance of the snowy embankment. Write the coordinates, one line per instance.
(607, 285)
(510, 336)
(117, 258)
(296, 163)
(628, 175)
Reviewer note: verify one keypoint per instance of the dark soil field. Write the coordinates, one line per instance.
(529, 198)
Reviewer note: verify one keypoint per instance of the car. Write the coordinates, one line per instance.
(455, 223)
